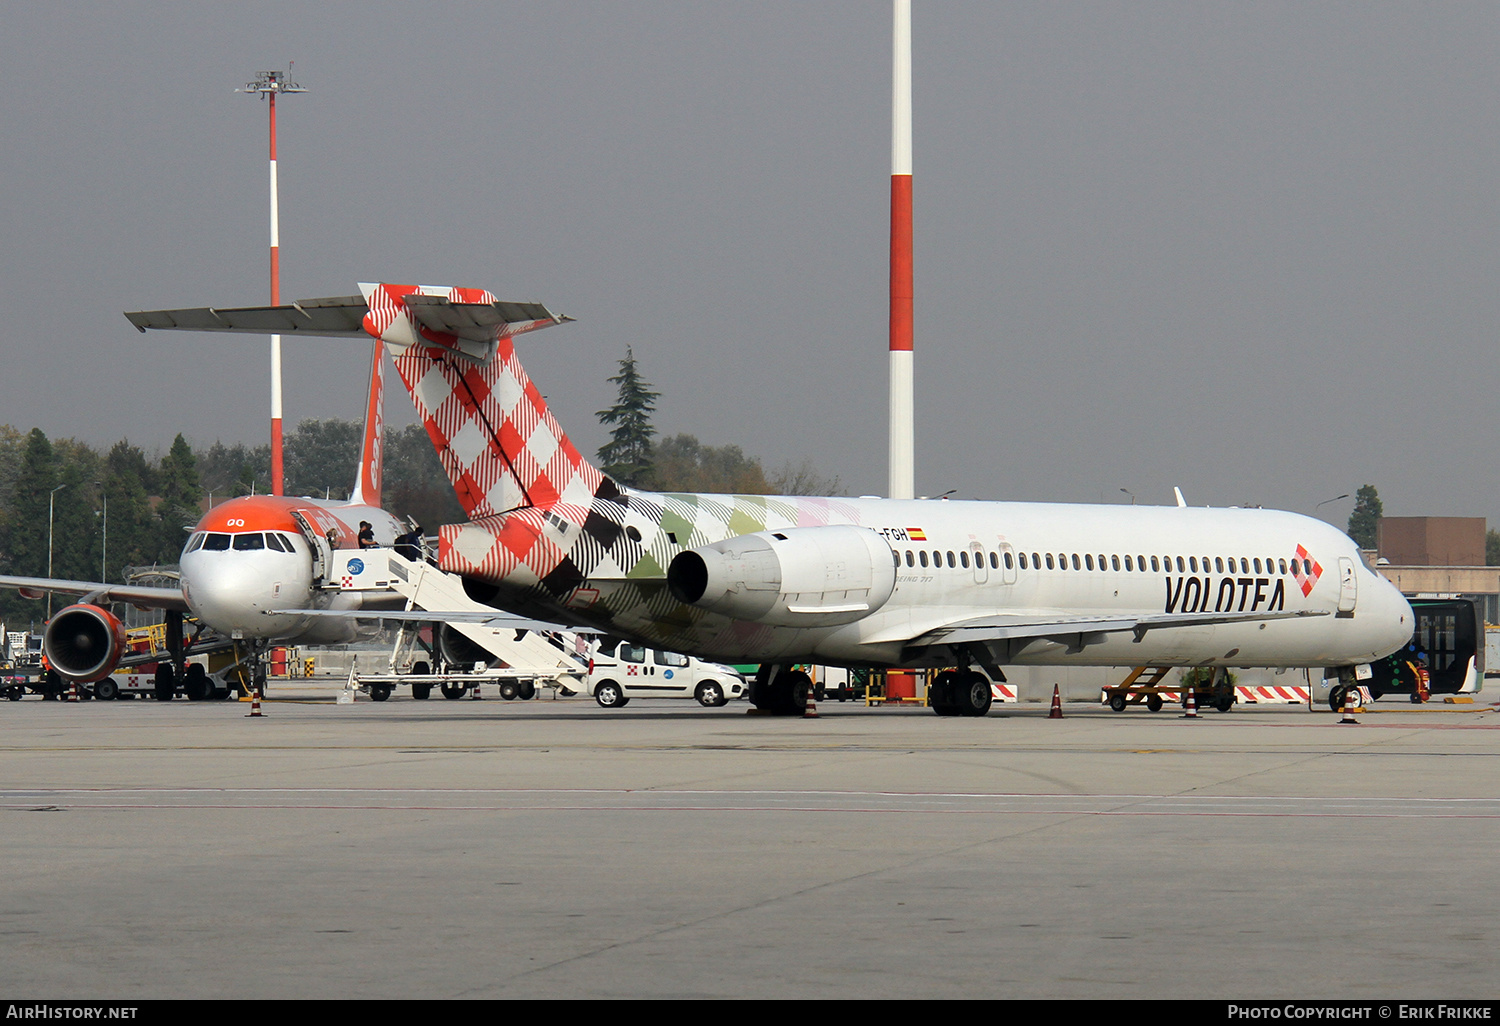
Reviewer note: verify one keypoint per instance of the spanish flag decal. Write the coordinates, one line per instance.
(916, 534)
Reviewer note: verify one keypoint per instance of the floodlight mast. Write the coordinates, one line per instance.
(269, 84)
(902, 407)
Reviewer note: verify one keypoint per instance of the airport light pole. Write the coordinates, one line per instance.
(51, 506)
(270, 84)
(104, 534)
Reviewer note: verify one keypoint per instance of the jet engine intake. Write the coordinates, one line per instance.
(84, 643)
(797, 577)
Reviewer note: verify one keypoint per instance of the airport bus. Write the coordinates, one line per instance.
(1448, 642)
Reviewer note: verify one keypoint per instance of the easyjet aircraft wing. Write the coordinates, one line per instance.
(136, 595)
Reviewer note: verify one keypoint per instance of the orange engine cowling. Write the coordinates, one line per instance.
(84, 643)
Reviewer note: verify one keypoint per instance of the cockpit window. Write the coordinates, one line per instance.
(248, 542)
(286, 543)
(272, 542)
(216, 543)
(195, 542)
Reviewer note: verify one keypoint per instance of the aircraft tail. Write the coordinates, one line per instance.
(371, 452)
(498, 442)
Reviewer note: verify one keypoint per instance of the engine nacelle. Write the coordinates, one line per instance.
(797, 577)
(84, 643)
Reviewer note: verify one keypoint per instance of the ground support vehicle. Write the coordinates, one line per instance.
(620, 671)
(1447, 647)
(1216, 693)
(508, 681)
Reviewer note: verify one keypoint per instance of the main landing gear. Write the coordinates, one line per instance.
(780, 690)
(960, 693)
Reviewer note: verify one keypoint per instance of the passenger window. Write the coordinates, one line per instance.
(1036, 561)
(1049, 561)
(1075, 561)
(1023, 561)
(1219, 564)
(963, 558)
(1128, 565)
(1180, 567)
(1155, 567)
(1009, 565)
(922, 555)
(1244, 565)
(1088, 561)
(1193, 563)
(911, 559)
(951, 561)
(1257, 566)
(1282, 564)
(633, 653)
(1114, 561)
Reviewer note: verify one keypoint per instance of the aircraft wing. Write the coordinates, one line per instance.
(344, 316)
(494, 618)
(136, 595)
(1015, 626)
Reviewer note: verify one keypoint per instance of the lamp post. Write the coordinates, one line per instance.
(104, 539)
(51, 506)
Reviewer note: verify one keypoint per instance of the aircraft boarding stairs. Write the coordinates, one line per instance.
(425, 587)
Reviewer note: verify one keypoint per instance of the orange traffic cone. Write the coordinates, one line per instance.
(1056, 711)
(72, 691)
(1350, 701)
(254, 702)
(811, 712)
(1190, 707)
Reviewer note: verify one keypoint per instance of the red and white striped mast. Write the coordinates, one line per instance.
(269, 84)
(902, 426)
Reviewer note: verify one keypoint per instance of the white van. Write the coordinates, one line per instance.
(620, 671)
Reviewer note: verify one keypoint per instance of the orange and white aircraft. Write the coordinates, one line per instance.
(783, 581)
(245, 557)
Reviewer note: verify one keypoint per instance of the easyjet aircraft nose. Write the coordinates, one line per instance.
(230, 580)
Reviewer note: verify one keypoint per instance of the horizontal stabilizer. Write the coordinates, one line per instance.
(344, 317)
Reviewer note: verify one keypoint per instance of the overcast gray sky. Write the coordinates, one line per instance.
(1249, 249)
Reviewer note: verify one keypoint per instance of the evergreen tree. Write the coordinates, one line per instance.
(134, 531)
(25, 537)
(180, 499)
(415, 484)
(626, 457)
(1366, 515)
(322, 458)
(76, 523)
(1492, 547)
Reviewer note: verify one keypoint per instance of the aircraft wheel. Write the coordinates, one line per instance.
(508, 690)
(107, 690)
(1117, 701)
(1224, 704)
(379, 692)
(941, 695)
(794, 698)
(1336, 698)
(1153, 703)
(421, 691)
(165, 682)
(196, 683)
(526, 690)
(452, 690)
(974, 694)
(14, 693)
(610, 695)
(710, 695)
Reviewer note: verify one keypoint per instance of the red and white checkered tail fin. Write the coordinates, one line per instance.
(371, 466)
(496, 438)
